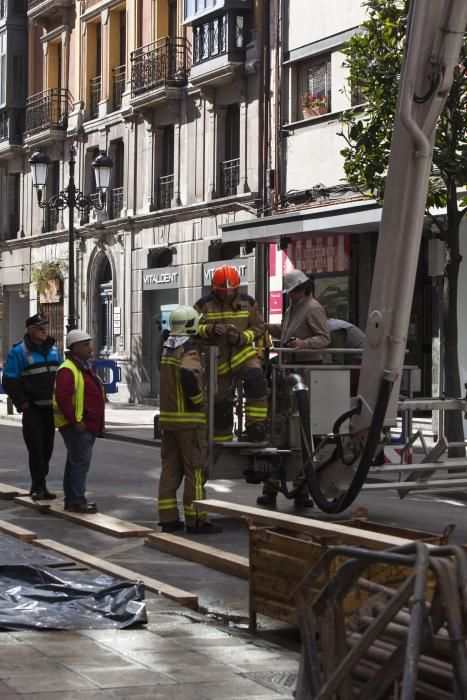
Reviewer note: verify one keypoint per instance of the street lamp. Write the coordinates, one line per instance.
(71, 198)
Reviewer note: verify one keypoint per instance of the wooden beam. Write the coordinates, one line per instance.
(16, 531)
(96, 521)
(8, 492)
(319, 528)
(211, 557)
(164, 589)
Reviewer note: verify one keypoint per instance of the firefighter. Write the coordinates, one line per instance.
(183, 425)
(231, 320)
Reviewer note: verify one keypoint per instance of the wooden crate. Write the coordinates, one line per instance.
(279, 559)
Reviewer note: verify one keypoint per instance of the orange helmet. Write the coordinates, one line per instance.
(225, 278)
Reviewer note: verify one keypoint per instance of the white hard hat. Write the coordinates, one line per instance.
(294, 279)
(76, 336)
(184, 320)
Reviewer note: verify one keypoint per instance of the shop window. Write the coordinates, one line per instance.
(105, 314)
(313, 87)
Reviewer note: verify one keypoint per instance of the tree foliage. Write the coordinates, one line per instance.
(374, 58)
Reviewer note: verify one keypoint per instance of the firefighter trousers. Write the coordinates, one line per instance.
(255, 393)
(184, 455)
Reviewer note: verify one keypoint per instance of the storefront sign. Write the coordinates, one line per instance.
(161, 278)
(240, 265)
(318, 255)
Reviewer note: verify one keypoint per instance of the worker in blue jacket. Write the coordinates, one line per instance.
(28, 379)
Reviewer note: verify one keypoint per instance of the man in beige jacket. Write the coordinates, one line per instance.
(304, 327)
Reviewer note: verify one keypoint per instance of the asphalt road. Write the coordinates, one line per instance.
(123, 481)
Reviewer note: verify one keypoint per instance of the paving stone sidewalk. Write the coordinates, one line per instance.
(179, 655)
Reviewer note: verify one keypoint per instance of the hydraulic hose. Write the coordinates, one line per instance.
(337, 505)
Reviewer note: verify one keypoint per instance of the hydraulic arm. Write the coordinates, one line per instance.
(435, 32)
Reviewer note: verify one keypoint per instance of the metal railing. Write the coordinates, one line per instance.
(48, 110)
(95, 96)
(230, 177)
(4, 126)
(86, 216)
(118, 85)
(166, 192)
(163, 62)
(116, 203)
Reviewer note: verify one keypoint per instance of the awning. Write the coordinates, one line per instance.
(353, 217)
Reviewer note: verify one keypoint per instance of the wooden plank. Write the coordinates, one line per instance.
(164, 589)
(16, 531)
(211, 557)
(295, 523)
(96, 521)
(8, 492)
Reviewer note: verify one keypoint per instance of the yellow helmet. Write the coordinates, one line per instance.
(184, 320)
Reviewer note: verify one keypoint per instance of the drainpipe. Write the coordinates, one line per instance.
(277, 105)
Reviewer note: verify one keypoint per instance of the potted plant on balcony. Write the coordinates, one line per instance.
(46, 277)
(314, 105)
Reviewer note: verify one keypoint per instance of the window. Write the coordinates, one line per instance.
(230, 166)
(105, 318)
(192, 7)
(314, 87)
(3, 69)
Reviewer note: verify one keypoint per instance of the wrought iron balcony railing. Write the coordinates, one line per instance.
(118, 82)
(166, 192)
(230, 172)
(163, 62)
(48, 110)
(95, 95)
(116, 203)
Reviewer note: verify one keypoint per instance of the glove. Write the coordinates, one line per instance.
(233, 336)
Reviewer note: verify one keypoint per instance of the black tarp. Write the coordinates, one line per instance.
(37, 597)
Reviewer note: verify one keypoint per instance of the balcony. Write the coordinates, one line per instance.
(159, 70)
(118, 86)
(47, 8)
(165, 192)
(116, 203)
(95, 85)
(230, 177)
(219, 45)
(86, 216)
(47, 115)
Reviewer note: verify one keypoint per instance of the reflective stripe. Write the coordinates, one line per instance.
(224, 315)
(241, 357)
(39, 370)
(198, 473)
(170, 361)
(203, 331)
(223, 368)
(259, 412)
(223, 438)
(174, 417)
(248, 336)
(190, 511)
(29, 358)
(197, 398)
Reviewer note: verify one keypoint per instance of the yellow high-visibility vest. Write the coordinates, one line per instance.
(78, 396)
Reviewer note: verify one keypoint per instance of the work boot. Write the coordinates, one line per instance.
(85, 508)
(267, 499)
(172, 526)
(203, 528)
(255, 432)
(303, 500)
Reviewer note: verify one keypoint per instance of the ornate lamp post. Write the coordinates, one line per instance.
(71, 198)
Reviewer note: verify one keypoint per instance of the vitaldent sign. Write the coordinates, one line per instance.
(161, 278)
(209, 268)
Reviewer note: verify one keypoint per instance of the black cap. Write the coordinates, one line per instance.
(36, 320)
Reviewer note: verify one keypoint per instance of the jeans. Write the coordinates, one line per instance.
(38, 433)
(79, 454)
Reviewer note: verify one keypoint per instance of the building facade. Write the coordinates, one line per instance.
(170, 90)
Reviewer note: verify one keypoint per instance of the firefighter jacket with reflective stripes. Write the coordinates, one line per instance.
(243, 315)
(83, 399)
(29, 372)
(183, 388)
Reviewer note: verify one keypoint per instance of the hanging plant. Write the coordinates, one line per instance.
(45, 272)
